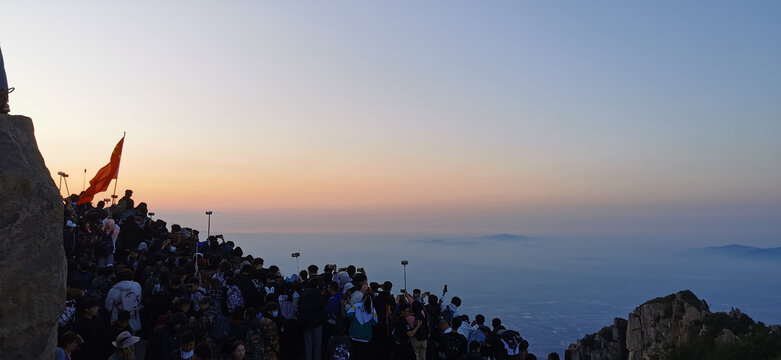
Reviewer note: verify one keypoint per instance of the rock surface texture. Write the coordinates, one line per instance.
(608, 344)
(32, 263)
(658, 324)
(664, 322)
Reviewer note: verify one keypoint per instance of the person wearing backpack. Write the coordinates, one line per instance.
(234, 296)
(271, 348)
(452, 345)
(420, 340)
(253, 338)
(477, 334)
(211, 327)
(403, 333)
(433, 310)
(509, 345)
(450, 311)
(125, 295)
(333, 312)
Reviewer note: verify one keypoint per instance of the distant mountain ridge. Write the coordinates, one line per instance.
(504, 237)
(496, 238)
(743, 252)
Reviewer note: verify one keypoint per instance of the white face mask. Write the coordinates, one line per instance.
(187, 355)
(274, 313)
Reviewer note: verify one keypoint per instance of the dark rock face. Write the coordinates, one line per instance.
(32, 262)
(608, 344)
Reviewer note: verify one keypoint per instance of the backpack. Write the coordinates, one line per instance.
(511, 340)
(234, 298)
(341, 352)
(106, 247)
(220, 325)
(447, 314)
(339, 348)
(128, 301)
(68, 315)
(287, 306)
(254, 342)
(452, 345)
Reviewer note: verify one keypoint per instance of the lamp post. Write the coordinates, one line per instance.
(64, 176)
(209, 224)
(296, 255)
(404, 263)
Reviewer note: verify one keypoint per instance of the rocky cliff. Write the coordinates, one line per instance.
(32, 262)
(680, 326)
(663, 323)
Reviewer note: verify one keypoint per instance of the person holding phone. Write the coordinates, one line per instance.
(449, 311)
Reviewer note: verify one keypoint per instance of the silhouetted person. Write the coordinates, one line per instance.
(125, 203)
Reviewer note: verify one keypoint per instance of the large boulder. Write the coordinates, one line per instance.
(659, 324)
(32, 260)
(664, 322)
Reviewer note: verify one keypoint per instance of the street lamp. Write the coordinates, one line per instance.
(209, 224)
(404, 263)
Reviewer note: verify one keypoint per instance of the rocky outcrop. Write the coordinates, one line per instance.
(32, 262)
(652, 327)
(664, 322)
(608, 344)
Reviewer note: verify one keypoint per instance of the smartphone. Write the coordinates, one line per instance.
(445, 289)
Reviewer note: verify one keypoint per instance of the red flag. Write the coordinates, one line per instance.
(104, 176)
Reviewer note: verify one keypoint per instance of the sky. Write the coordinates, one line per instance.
(625, 119)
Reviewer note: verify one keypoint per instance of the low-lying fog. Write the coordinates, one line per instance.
(552, 289)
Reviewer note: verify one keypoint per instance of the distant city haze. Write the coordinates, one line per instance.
(630, 121)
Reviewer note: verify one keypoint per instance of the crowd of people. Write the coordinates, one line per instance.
(139, 290)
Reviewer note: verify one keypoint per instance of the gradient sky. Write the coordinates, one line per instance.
(533, 117)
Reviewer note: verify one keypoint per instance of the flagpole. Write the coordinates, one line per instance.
(116, 178)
